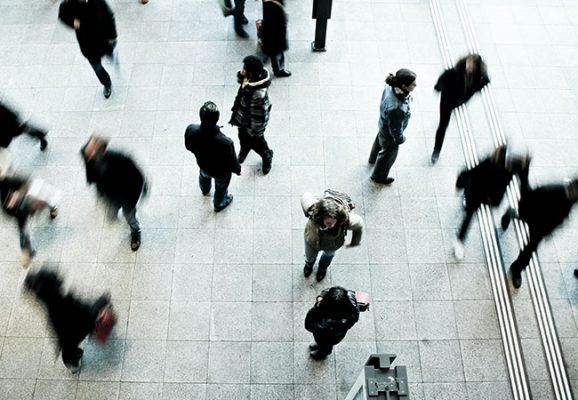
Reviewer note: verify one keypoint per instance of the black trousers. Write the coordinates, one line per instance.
(100, 72)
(256, 143)
(278, 62)
(383, 154)
(526, 253)
(446, 108)
(238, 13)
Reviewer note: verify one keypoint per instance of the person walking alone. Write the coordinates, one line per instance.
(95, 27)
(11, 126)
(394, 114)
(274, 35)
(251, 109)
(215, 154)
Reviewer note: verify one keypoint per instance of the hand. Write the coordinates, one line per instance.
(112, 42)
(76, 23)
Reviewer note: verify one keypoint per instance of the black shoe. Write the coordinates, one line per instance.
(283, 73)
(43, 144)
(321, 273)
(435, 156)
(313, 346)
(244, 20)
(242, 33)
(516, 278)
(229, 200)
(242, 156)
(307, 270)
(317, 355)
(135, 241)
(107, 91)
(505, 222)
(386, 181)
(576, 273)
(267, 161)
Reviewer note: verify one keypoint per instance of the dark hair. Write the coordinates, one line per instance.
(327, 207)
(402, 77)
(336, 302)
(209, 113)
(253, 66)
(45, 283)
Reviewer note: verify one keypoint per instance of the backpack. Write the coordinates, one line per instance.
(343, 197)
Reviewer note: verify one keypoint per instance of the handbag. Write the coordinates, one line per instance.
(105, 321)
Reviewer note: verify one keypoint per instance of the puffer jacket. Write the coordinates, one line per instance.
(328, 330)
(252, 106)
(394, 114)
(331, 239)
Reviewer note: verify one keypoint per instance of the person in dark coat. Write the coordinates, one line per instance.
(17, 202)
(215, 154)
(274, 35)
(250, 112)
(394, 115)
(333, 314)
(95, 27)
(457, 85)
(11, 126)
(71, 318)
(117, 179)
(487, 183)
(543, 209)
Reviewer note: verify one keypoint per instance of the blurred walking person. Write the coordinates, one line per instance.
(251, 109)
(543, 209)
(487, 183)
(457, 85)
(394, 114)
(274, 35)
(12, 126)
(215, 154)
(95, 27)
(118, 180)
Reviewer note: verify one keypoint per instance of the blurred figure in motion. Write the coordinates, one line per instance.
(118, 180)
(11, 126)
(274, 35)
(457, 85)
(71, 318)
(334, 313)
(486, 183)
(95, 27)
(22, 198)
(543, 209)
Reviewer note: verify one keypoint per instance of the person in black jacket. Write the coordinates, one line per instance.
(274, 35)
(487, 183)
(93, 22)
(18, 203)
(457, 85)
(333, 314)
(251, 109)
(543, 209)
(71, 318)
(117, 179)
(215, 154)
(11, 126)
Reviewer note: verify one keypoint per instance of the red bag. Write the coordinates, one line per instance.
(105, 321)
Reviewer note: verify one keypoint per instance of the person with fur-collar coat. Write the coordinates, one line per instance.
(250, 112)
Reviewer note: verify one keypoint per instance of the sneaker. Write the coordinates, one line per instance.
(135, 241)
(43, 144)
(307, 270)
(386, 181)
(435, 156)
(458, 250)
(107, 91)
(53, 212)
(229, 201)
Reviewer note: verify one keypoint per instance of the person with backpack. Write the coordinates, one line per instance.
(329, 219)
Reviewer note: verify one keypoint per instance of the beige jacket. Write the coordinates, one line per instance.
(323, 240)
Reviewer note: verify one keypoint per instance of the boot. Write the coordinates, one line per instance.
(267, 160)
(307, 270)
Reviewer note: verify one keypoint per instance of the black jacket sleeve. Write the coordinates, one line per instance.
(66, 13)
(108, 20)
(236, 166)
(444, 80)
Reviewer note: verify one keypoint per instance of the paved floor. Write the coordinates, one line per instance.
(212, 306)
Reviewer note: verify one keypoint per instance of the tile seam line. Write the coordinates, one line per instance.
(510, 341)
(540, 299)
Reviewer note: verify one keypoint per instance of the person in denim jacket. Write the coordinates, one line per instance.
(393, 119)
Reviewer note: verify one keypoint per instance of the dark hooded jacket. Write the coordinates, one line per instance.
(97, 26)
(544, 208)
(274, 33)
(331, 329)
(252, 107)
(116, 177)
(215, 152)
(454, 86)
(10, 125)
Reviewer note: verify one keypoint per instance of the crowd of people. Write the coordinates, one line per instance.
(330, 216)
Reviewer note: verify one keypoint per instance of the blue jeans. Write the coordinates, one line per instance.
(221, 185)
(311, 256)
